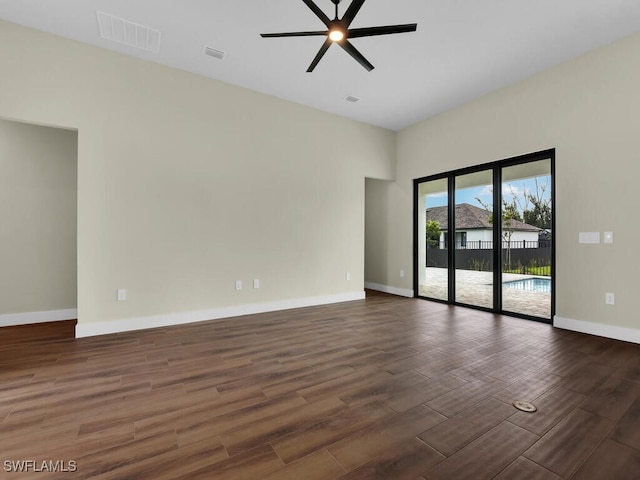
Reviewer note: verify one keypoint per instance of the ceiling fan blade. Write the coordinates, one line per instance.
(351, 50)
(293, 34)
(319, 13)
(352, 11)
(323, 49)
(386, 30)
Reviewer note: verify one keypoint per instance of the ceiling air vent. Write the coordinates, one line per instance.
(129, 33)
(212, 52)
(351, 99)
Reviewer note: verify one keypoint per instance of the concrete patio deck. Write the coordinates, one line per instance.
(476, 288)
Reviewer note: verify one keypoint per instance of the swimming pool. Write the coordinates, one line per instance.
(535, 284)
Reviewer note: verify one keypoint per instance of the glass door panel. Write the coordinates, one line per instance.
(433, 257)
(473, 240)
(526, 239)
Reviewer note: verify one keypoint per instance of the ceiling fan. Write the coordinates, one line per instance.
(338, 31)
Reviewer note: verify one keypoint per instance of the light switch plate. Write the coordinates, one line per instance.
(608, 237)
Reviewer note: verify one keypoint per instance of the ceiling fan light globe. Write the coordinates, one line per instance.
(336, 35)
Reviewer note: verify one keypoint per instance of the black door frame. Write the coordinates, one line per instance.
(496, 168)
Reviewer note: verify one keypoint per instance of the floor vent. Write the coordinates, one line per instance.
(129, 33)
(525, 406)
(351, 99)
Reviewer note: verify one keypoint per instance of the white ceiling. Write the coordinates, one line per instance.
(461, 49)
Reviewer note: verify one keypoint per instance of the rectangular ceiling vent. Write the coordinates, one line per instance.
(123, 31)
(351, 99)
(212, 52)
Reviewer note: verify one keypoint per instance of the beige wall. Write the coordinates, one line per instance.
(186, 184)
(588, 110)
(38, 169)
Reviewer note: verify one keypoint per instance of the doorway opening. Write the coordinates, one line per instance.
(38, 247)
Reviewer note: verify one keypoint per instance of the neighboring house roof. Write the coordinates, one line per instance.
(470, 217)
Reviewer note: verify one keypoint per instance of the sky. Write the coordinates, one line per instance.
(485, 193)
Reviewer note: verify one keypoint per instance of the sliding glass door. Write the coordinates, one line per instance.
(526, 239)
(474, 237)
(484, 236)
(433, 246)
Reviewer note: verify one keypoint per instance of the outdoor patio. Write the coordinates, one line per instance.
(476, 288)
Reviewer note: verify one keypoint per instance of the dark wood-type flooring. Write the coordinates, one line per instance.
(386, 387)
(38, 331)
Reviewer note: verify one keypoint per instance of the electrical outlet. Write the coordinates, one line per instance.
(402, 273)
(256, 283)
(122, 294)
(589, 237)
(609, 298)
(238, 284)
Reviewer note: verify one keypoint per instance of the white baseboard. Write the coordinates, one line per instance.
(599, 329)
(387, 289)
(28, 318)
(155, 321)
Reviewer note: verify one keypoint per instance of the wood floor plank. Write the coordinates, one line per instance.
(173, 463)
(256, 463)
(195, 414)
(627, 430)
(441, 361)
(563, 449)
(316, 466)
(451, 435)
(405, 462)
(419, 393)
(307, 379)
(128, 409)
(486, 456)
(58, 405)
(4, 413)
(631, 372)
(552, 407)
(250, 415)
(611, 460)
(465, 396)
(517, 367)
(360, 378)
(27, 445)
(340, 425)
(619, 354)
(612, 398)
(271, 429)
(371, 442)
(380, 389)
(119, 456)
(410, 362)
(525, 469)
(587, 378)
(529, 387)
(565, 361)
